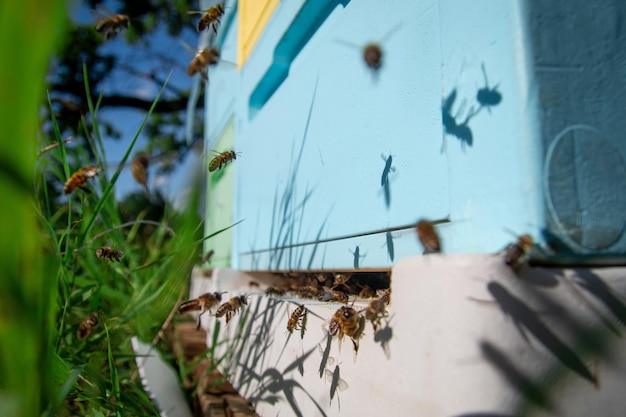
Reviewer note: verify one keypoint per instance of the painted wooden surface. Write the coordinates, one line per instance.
(465, 337)
(335, 156)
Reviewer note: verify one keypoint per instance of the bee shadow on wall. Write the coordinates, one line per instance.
(457, 125)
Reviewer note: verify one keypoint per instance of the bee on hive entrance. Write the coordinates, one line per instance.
(204, 303)
(111, 24)
(297, 320)
(428, 237)
(346, 321)
(79, 179)
(516, 254)
(210, 17)
(221, 160)
(109, 254)
(87, 326)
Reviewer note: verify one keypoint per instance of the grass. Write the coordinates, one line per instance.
(52, 277)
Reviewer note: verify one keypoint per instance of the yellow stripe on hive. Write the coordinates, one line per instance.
(253, 17)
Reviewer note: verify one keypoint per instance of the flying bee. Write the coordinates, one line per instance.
(373, 56)
(428, 236)
(87, 326)
(79, 179)
(210, 17)
(204, 303)
(374, 312)
(295, 321)
(203, 59)
(207, 256)
(347, 321)
(384, 295)
(231, 307)
(111, 24)
(221, 160)
(109, 254)
(516, 254)
(139, 168)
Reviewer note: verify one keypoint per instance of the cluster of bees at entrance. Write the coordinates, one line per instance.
(324, 287)
(340, 288)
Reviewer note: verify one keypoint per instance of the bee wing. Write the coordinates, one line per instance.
(193, 51)
(196, 12)
(101, 12)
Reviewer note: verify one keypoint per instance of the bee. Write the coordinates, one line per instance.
(374, 312)
(516, 254)
(207, 256)
(384, 295)
(204, 303)
(221, 160)
(87, 326)
(295, 321)
(340, 279)
(79, 179)
(109, 254)
(307, 291)
(112, 25)
(277, 291)
(204, 58)
(347, 321)
(139, 168)
(231, 307)
(373, 56)
(210, 17)
(329, 295)
(428, 237)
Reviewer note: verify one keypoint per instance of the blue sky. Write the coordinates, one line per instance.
(127, 120)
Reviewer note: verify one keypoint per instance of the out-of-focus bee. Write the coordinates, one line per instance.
(516, 254)
(202, 60)
(204, 303)
(79, 179)
(87, 326)
(375, 311)
(373, 56)
(366, 291)
(329, 295)
(210, 17)
(112, 25)
(297, 319)
(347, 321)
(307, 291)
(231, 307)
(221, 160)
(109, 254)
(277, 291)
(428, 237)
(139, 168)
(384, 295)
(207, 256)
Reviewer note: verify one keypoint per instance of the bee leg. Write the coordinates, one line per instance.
(85, 189)
(199, 321)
